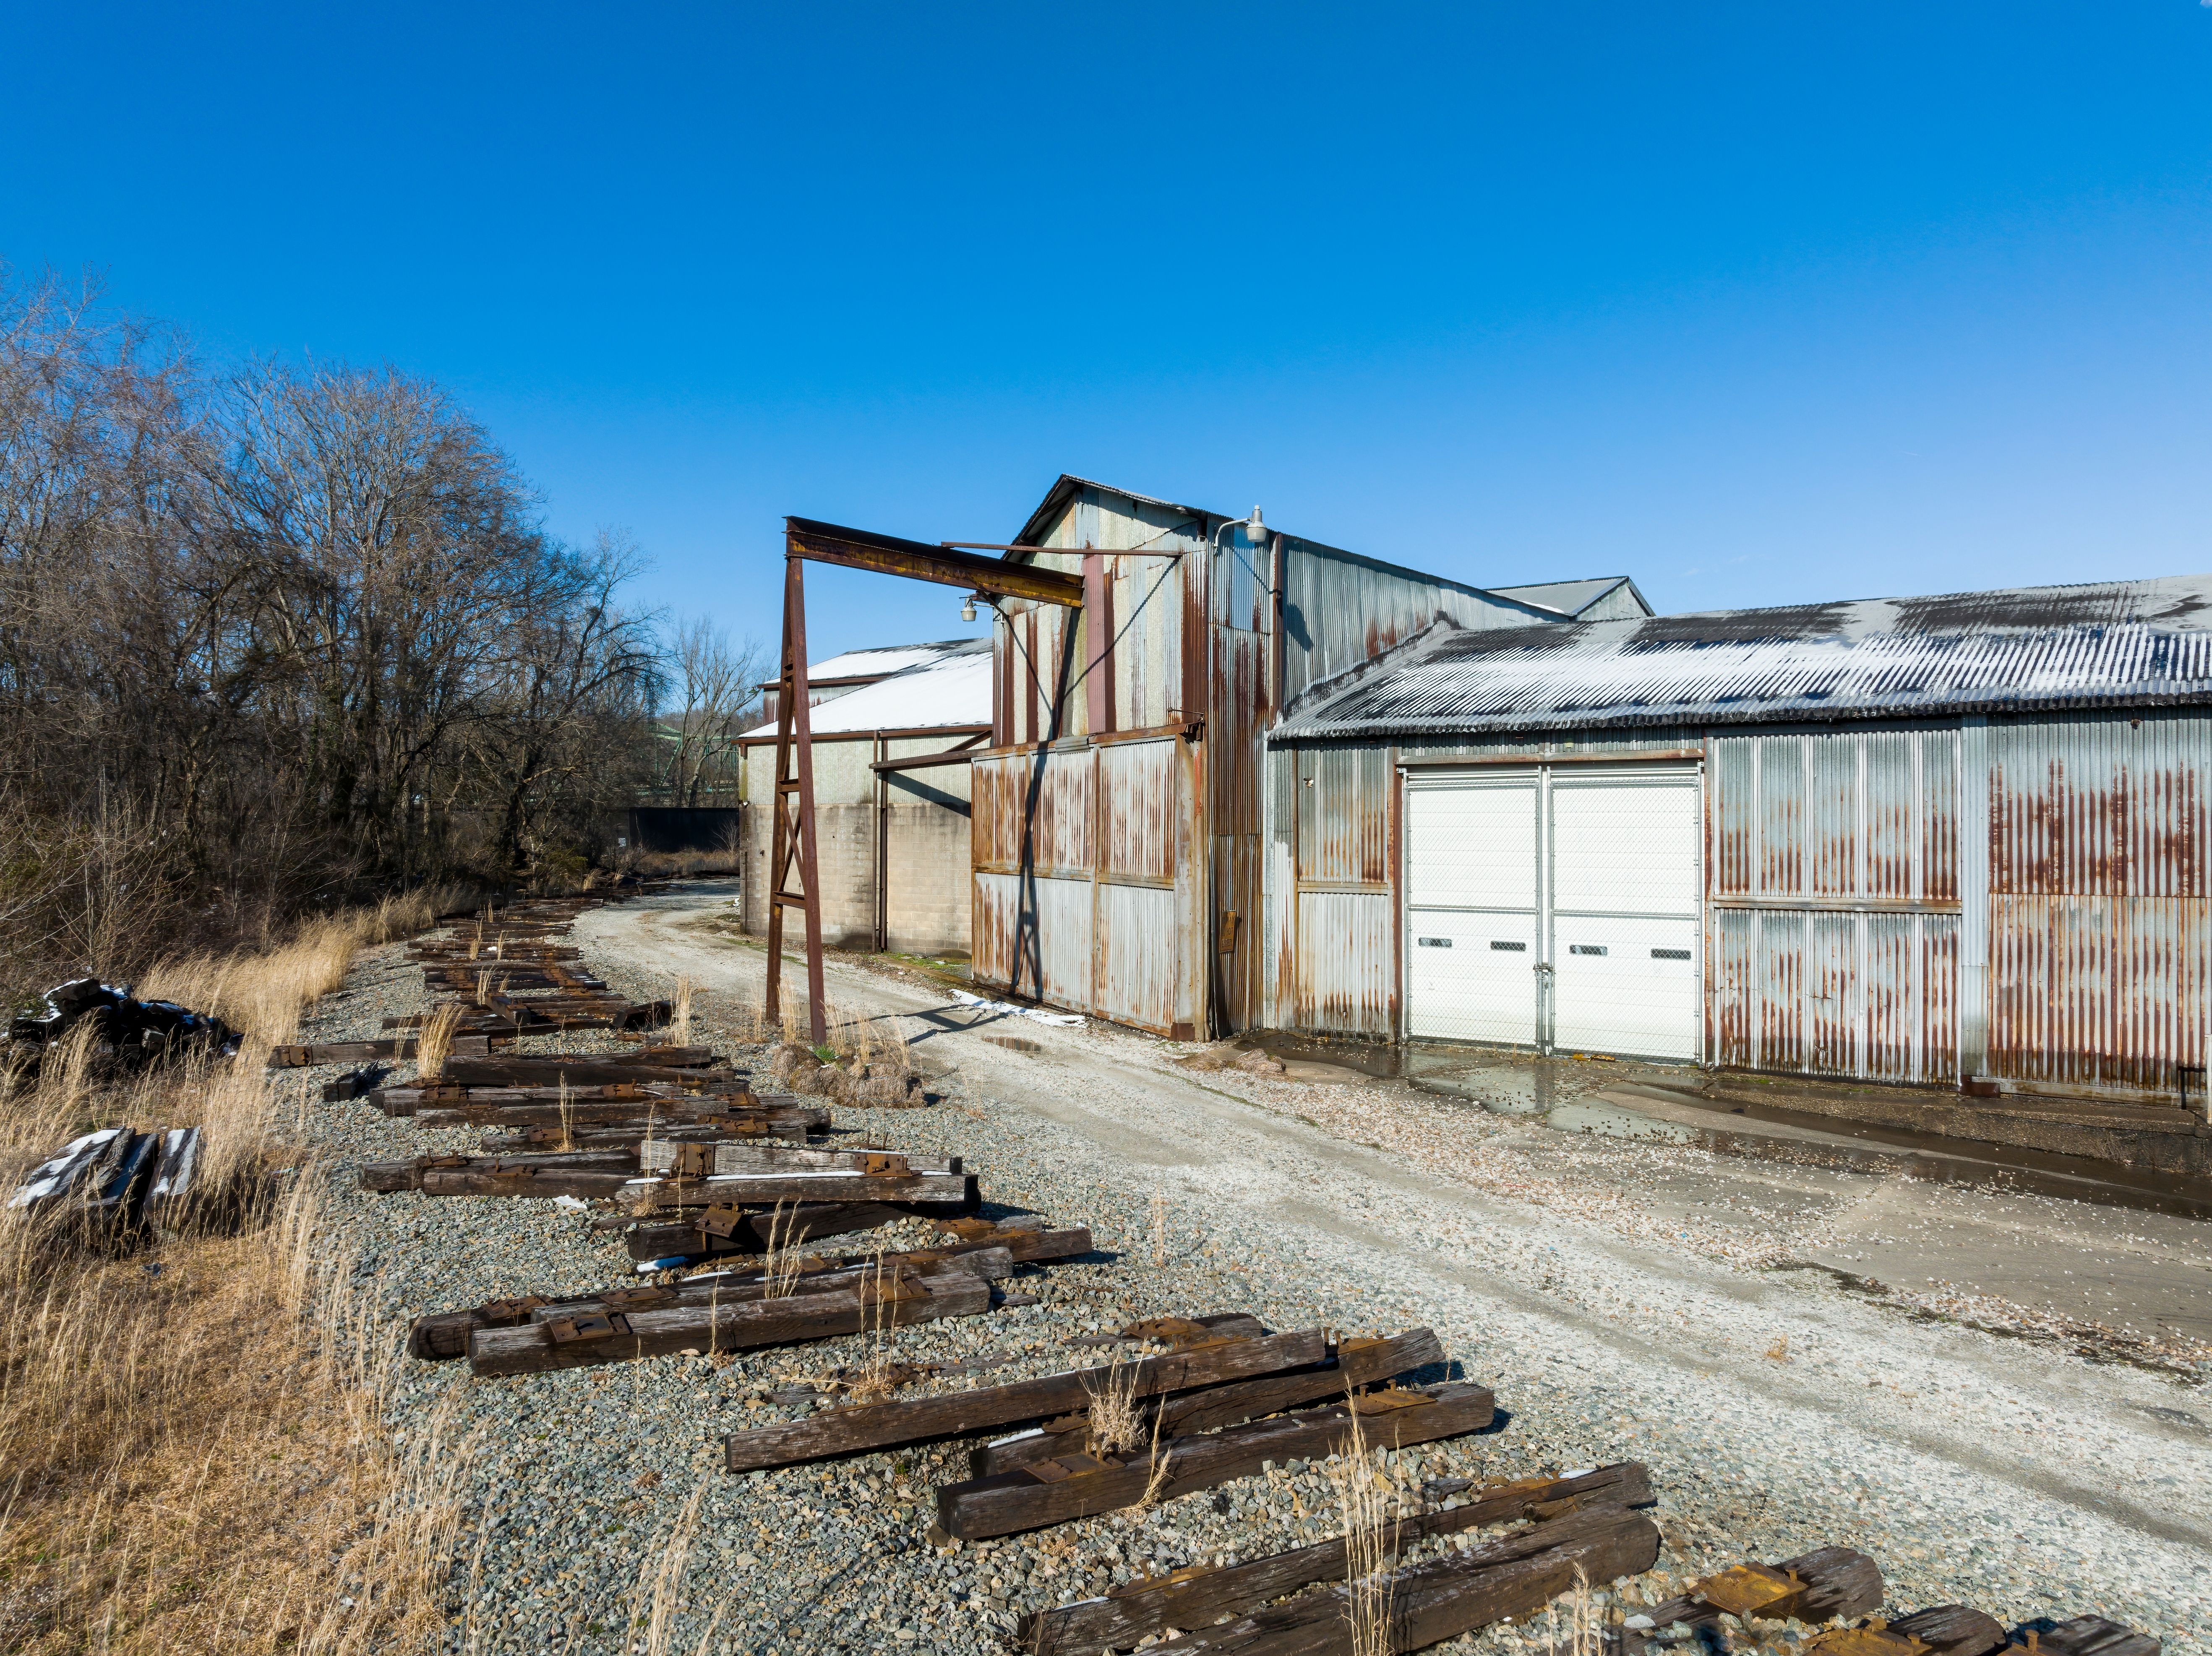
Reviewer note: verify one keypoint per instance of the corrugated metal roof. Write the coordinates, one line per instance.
(951, 689)
(2115, 643)
(1570, 597)
(893, 657)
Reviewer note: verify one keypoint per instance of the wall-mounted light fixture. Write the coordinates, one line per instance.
(968, 607)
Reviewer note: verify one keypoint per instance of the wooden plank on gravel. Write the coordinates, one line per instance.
(362, 1052)
(648, 1098)
(1505, 1580)
(956, 1414)
(444, 1334)
(789, 1121)
(1954, 1630)
(595, 1071)
(953, 1191)
(682, 1239)
(540, 1348)
(1198, 1598)
(1034, 1496)
(1350, 1365)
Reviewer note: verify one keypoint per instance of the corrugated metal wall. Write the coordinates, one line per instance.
(2098, 930)
(1084, 894)
(2030, 900)
(1832, 903)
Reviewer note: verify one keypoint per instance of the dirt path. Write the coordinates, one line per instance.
(1700, 1302)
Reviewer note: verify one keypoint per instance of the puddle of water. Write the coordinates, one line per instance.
(1369, 1057)
(1611, 1122)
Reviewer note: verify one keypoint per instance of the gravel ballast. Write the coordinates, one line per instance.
(1778, 1408)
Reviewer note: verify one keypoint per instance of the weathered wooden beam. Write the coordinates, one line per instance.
(297, 1056)
(889, 555)
(1198, 1598)
(612, 1069)
(957, 1414)
(444, 1334)
(538, 1348)
(1349, 1365)
(1955, 1630)
(1052, 1493)
(645, 1099)
(682, 1239)
(1507, 1578)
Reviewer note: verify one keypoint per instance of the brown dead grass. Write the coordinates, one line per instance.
(191, 1449)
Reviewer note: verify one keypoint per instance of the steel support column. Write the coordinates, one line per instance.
(792, 798)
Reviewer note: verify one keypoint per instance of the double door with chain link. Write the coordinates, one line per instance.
(1555, 907)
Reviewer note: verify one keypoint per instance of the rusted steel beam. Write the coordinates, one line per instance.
(887, 555)
(792, 800)
(962, 754)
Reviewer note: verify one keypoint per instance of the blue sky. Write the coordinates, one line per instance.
(1756, 302)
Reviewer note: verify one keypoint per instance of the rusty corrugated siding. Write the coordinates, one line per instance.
(1831, 947)
(2099, 917)
(1345, 981)
(1344, 814)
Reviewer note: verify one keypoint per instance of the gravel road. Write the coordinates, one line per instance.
(1616, 1315)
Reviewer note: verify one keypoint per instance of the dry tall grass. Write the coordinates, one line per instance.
(679, 1022)
(191, 1449)
(1363, 1504)
(433, 1040)
(660, 1584)
(1583, 1632)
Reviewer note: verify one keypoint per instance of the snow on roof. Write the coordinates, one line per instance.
(948, 690)
(893, 657)
(2105, 644)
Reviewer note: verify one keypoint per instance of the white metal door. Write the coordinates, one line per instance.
(1472, 937)
(1624, 909)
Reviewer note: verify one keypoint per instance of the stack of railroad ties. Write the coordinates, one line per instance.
(514, 975)
(1198, 1404)
(698, 1167)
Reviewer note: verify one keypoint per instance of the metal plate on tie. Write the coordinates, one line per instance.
(1871, 1638)
(721, 1221)
(429, 1163)
(1070, 1466)
(882, 1164)
(1172, 1580)
(1750, 1590)
(637, 1299)
(884, 1288)
(510, 1311)
(590, 1326)
(1181, 1331)
(1383, 1403)
(968, 1230)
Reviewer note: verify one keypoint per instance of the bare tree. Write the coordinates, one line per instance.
(718, 686)
(268, 633)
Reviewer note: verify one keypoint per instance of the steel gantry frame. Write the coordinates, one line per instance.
(792, 798)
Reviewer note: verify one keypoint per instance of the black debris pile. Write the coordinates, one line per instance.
(128, 1034)
(119, 1179)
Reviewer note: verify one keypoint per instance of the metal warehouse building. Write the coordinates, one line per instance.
(1917, 840)
(1117, 812)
